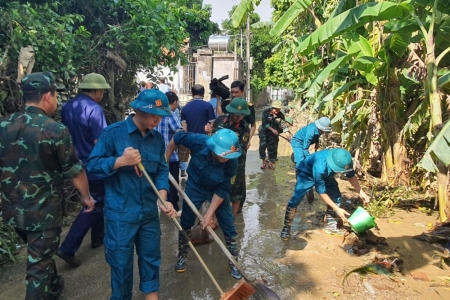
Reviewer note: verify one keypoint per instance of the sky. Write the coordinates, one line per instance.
(221, 8)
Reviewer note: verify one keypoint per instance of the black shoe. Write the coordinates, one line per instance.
(61, 287)
(180, 266)
(285, 233)
(183, 173)
(96, 244)
(71, 260)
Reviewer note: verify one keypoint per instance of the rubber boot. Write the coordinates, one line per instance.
(183, 246)
(288, 217)
(331, 223)
(231, 243)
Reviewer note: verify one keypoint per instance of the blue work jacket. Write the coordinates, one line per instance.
(205, 174)
(315, 168)
(302, 139)
(129, 197)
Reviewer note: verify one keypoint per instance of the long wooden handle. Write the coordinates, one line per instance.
(183, 233)
(210, 230)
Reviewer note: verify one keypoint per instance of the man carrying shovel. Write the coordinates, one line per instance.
(318, 170)
(211, 171)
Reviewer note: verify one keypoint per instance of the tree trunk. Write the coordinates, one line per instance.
(394, 151)
(115, 114)
(436, 121)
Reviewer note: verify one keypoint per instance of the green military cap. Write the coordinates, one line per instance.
(238, 106)
(94, 81)
(289, 120)
(40, 83)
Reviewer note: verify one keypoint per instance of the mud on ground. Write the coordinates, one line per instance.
(311, 265)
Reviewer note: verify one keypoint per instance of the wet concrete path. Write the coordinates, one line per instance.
(309, 266)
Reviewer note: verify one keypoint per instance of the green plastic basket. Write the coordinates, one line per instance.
(361, 221)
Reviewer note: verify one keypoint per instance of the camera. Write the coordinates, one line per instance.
(218, 88)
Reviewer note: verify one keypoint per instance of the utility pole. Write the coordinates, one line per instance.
(247, 86)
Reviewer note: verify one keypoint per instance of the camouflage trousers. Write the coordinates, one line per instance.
(238, 189)
(42, 278)
(268, 141)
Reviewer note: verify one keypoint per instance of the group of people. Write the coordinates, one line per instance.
(119, 206)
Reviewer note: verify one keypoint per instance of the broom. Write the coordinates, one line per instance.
(245, 288)
(236, 292)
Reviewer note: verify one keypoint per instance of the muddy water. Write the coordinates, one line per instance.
(309, 266)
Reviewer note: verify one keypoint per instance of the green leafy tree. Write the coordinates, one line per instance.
(113, 37)
(198, 19)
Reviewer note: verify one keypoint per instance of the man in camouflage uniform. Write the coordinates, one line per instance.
(234, 120)
(273, 124)
(36, 155)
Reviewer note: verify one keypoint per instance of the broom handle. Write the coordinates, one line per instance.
(210, 230)
(183, 233)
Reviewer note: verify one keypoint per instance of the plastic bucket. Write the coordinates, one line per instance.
(361, 221)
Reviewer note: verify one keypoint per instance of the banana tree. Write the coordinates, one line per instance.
(435, 104)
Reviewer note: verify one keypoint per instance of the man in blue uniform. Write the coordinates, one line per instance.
(318, 170)
(308, 135)
(131, 206)
(211, 172)
(86, 120)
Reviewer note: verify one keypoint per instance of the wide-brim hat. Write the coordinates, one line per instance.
(276, 104)
(225, 143)
(324, 124)
(152, 102)
(238, 106)
(340, 160)
(94, 81)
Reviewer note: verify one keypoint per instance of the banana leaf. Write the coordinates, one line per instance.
(296, 8)
(355, 43)
(261, 24)
(442, 5)
(244, 7)
(439, 148)
(316, 84)
(337, 92)
(352, 19)
(444, 80)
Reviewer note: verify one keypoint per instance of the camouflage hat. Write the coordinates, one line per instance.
(94, 81)
(238, 106)
(40, 83)
(276, 104)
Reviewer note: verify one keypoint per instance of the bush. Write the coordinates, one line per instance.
(8, 241)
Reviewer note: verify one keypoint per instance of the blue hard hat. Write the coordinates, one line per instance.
(152, 102)
(323, 124)
(225, 143)
(340, 160)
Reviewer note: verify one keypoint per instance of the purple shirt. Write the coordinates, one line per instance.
(86, 120)
(197, 113)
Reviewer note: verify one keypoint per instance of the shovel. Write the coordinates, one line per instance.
(261, 291)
